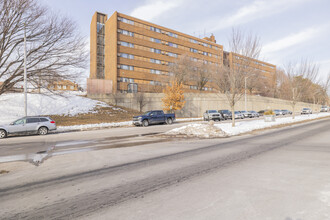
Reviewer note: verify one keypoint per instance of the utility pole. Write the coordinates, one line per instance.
(25, 83)
(245, 91)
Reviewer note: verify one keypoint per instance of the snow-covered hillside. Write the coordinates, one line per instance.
(12, 105)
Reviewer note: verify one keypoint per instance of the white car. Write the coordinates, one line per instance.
(212, 115)
(39, 124)
(306, 111)
(324, 108)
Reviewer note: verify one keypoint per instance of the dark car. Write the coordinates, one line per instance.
(286, 112)
(261, 112)
(226, 114)
(153, 117)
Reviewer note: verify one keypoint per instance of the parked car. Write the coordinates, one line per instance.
(278, 112)
(286, 112)
(261, 112)
(254, 114)
(153, 117)
(246, 114)
(212, 115)
(226, 114)
(306, 111)
(34, 124)
(238, 115)
(324, 108)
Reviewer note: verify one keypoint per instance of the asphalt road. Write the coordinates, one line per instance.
(282, 174)
(15, 146)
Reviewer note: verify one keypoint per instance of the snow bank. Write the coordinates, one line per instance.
(12, 105)
(204, 130)
(89, 126)
(189, 119)
(199, 130)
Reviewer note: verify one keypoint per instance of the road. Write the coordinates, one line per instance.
(281, 174)
(15, 146)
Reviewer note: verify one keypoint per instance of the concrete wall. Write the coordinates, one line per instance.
(196, 104)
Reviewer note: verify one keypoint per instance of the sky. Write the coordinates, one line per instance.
(289, 30)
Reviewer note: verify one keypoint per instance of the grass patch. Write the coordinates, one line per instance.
(96, 116)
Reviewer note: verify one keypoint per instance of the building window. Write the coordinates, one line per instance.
(155, 50)
(193, 41)
(193, 50)
(127, 56)
(155, 61)
(64, 87)
(71, 87)
(172, 54)
(205, 53)
(193, 87)
(127, 21)
(155, 29)
(126, 44)
(100, 28)
(123, 79)
(155, 40)
(172, 34)
(128, 33)
(126, 67)
(59, 86)
(173, 45)
(158, 72)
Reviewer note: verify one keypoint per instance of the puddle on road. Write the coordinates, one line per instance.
(41, 156)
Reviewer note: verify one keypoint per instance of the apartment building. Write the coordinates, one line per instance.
(63, 85)
(135, 54)
(266, 72)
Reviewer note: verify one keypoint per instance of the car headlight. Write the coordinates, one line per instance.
(140, 118)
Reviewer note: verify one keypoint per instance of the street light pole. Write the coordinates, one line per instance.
(245, 91)
(25, 83)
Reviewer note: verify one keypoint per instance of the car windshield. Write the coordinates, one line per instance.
(243, 111)
(225, 111)
(252, 111)
(305, 108)
(213, 111)
(237, 112)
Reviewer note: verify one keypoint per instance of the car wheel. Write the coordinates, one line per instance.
(145, 123)
(169, 121)
(3, 134)
(43, 131)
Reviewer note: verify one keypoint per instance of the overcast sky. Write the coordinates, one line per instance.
(289, 29)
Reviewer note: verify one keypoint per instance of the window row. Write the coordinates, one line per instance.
(138, 24)
(155, 40)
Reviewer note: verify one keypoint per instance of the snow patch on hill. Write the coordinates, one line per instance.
(12, 105)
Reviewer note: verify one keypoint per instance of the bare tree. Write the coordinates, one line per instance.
(239, 65)
(54, 47)
(190, 71)
(141, 100)
(300, 80)
(201, 74)
(181, 69)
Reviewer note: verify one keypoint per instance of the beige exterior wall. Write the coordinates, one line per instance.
(93, 47)
(111, 48)
(197, 104)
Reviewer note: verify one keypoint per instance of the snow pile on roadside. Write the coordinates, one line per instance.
(189, 119)
(198, 130)
(12, 105)
(90, 126)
